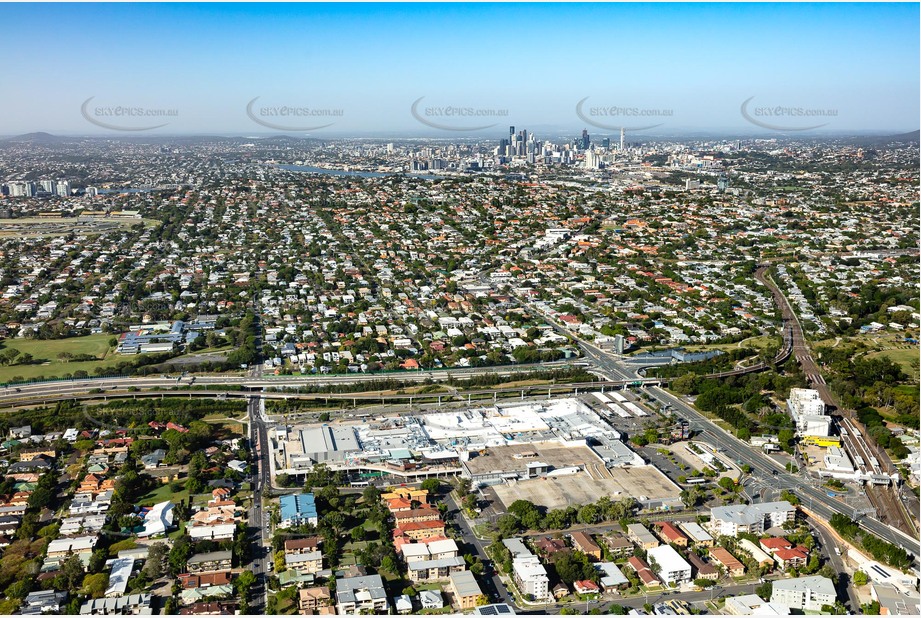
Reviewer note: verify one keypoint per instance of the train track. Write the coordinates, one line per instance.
(889, 509)
(874, 459)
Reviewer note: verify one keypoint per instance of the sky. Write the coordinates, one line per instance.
(359, 68)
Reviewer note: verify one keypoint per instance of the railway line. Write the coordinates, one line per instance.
(866, 454)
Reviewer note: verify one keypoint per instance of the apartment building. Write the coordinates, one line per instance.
(751, 518)
(362, 594)
(465, 589)
(673, 569)
(804, 593)
(434, 570)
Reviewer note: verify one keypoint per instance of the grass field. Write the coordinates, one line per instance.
(756, 343)
(163, 493)
(45, 356)
(889, 344)
(907, 359)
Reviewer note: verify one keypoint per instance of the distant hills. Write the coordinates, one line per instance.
(912, 137)
(39, 137)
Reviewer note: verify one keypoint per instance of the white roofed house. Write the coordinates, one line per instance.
(696, 533)
(158, 520)
(119, 575)
(431, 599)
(612, 578)
(403, 604)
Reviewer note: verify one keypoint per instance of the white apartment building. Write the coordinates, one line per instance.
(805, 593)
(752, 518)
(531, 577)
(673, 569)
(808, 412)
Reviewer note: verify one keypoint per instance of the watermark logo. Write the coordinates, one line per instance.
(454, 118)
(123, 117)
(276, 117)
(760, 116)
(596, 114)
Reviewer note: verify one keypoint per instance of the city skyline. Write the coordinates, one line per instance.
(686, 69)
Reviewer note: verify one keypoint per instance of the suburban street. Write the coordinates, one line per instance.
(828, 547)
(496, 587)
(258, 517)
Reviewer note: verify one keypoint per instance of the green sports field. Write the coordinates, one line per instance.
(45, 356)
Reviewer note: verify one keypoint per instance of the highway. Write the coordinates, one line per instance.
(255, 380)
(129, 389)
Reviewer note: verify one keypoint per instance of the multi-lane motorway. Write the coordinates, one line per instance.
(55, 389)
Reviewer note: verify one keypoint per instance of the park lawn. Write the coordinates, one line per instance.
(222, 348)
(162, 494)
(234, 428)
(757, 343)
(907, 359)
(47, 351)
(347, 559)
(54, 369)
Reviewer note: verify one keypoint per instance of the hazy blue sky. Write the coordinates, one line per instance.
(701, 61)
